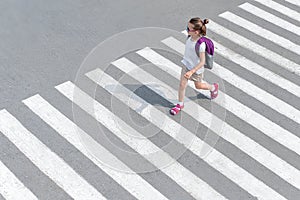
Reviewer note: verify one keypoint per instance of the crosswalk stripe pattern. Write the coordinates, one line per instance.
(11, 187)
(231, 170)
(280, 8)
(270, 18)
(262, 32)
(256, 48)
(187, 180)
(258, 69)
(297, 3)
(241, 177)
(238, 138)
(285, 138)
(131, 181)
(54, 166)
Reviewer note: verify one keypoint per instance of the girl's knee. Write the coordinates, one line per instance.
(182, 86)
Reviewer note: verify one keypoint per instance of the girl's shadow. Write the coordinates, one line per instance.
(154, 98)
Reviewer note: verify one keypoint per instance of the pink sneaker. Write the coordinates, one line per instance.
(175, 110)
(214, 94)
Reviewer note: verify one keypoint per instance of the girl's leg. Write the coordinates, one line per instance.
(203, 86)
(214, 88)
(182, 86)
(181, 92)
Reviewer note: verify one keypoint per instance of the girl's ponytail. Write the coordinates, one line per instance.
(203, 27)
(205, 21)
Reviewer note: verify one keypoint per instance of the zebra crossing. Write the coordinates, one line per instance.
(242, 145)
(257, 120)
(11, 187)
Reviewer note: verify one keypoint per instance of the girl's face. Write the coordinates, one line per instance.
(190, 30)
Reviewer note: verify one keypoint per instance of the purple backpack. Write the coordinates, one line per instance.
(209, 51)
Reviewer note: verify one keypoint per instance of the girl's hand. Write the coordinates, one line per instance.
(188, 74)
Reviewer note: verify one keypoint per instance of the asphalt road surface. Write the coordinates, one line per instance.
(86, 88)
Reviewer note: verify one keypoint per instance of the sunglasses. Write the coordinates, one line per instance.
(189, 30)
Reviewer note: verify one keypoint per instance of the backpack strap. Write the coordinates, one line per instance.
(209, 45)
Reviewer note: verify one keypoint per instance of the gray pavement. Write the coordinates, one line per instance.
(43, 44)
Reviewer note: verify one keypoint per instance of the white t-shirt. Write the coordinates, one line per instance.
(190, 58)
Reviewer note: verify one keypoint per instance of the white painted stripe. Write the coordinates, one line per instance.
(233, 173)
(11, 188)
(270, 18)
(253, 149)
(281, 9)
(46, 160)
(261, 95)
(263, 124)
(245, 63)
(249, 65)
(256, 48)
(187, 180)
(264, 97)
(257, 69)
(128, 179)
(215, 158)
(295, 2)
(281, 41)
